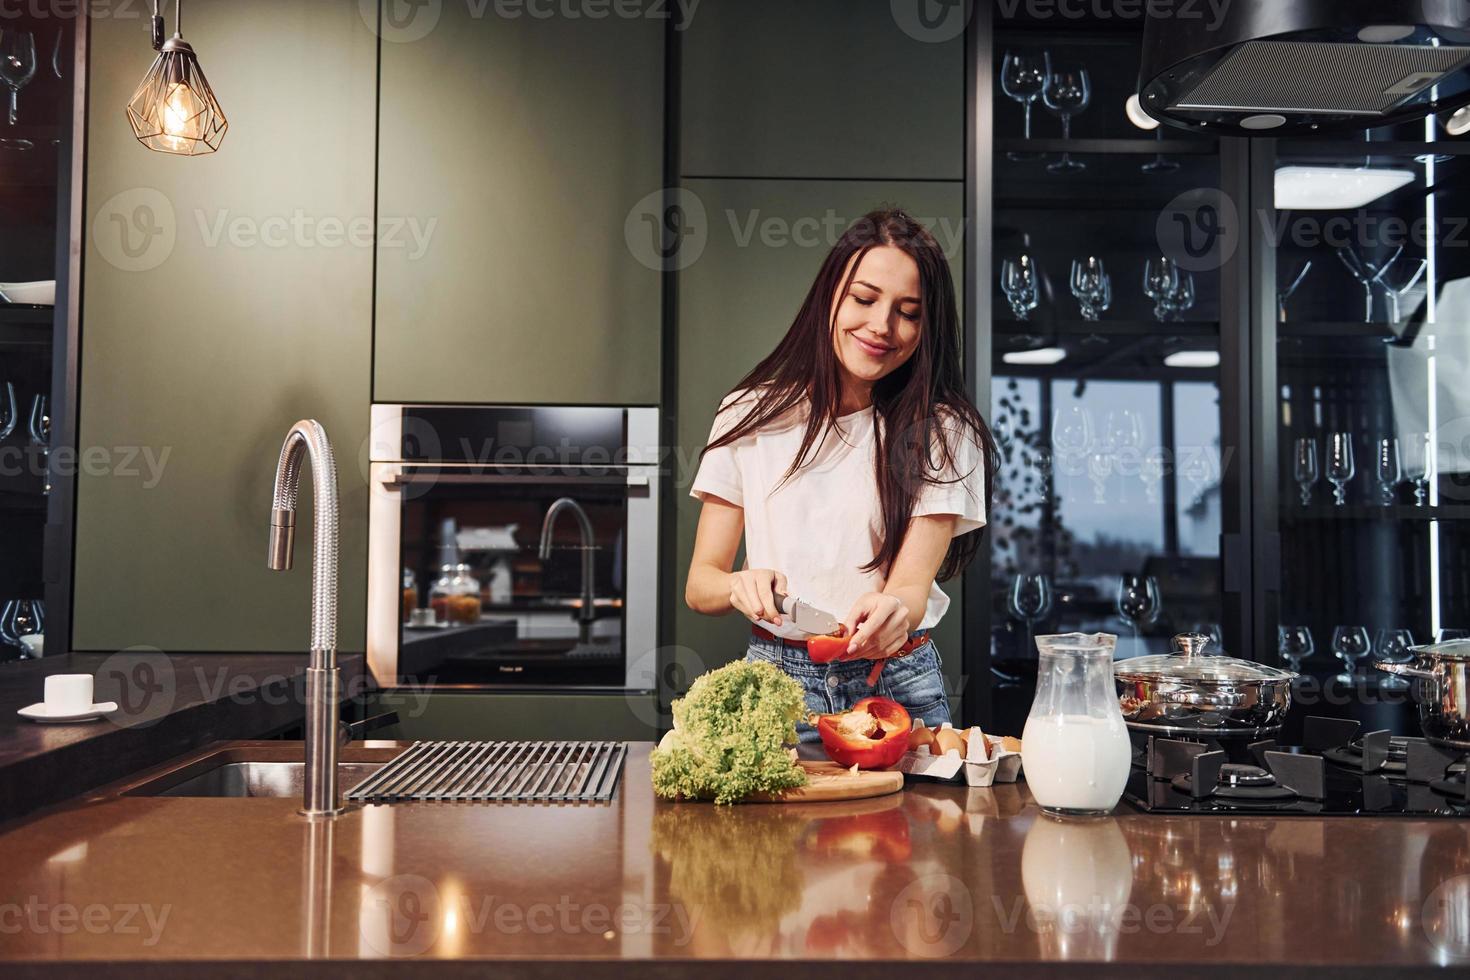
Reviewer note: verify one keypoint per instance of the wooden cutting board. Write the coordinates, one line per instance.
(826, 781)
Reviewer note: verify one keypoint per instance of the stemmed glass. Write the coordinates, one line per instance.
(1067, 93)
(1350, 645)
(1123, 432)
(1181, 299)
(1419, 455)
(1390, 469)
(12, 413)
(1023, 77)
(1151, 472)
(1294, 643)
(1029, 601)
(1160, 281)
(1397, 278)
(1018, 281)
(1397, 647)
(1305, 467)
(1366, 273)
(17, 68)
(1340, 466)
(1099, 468)
(21, 617)
(1285, 294)
(1090, 285)
(1138, 602)
(1071, 435)
(1160, 164)
(40, 430)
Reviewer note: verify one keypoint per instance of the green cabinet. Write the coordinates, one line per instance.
(524, 149)
(222, 302)
(822, 88)
(765, 241)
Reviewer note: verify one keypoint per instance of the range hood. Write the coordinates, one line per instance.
(1277, 68)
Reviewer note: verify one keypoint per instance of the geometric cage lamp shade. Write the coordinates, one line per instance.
(174, 109)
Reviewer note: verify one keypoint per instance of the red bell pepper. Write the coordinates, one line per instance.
(873, 735)
(828, 647)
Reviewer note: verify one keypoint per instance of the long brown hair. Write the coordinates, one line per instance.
(917, 402)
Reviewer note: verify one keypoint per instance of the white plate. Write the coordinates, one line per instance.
(39, 712)
(41, 293)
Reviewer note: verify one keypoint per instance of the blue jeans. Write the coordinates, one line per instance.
(913, 681)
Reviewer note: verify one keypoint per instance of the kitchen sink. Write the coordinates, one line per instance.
(260, 769)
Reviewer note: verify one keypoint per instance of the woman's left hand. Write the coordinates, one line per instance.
(879, 624)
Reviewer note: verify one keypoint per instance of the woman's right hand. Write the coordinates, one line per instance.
(752, 592)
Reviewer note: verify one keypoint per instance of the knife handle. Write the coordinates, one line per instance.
(781, 600)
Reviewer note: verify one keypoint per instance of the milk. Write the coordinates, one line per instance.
(1076, 763)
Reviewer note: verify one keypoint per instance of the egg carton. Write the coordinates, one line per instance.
(979, 766)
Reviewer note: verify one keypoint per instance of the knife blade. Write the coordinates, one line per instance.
(807, 617)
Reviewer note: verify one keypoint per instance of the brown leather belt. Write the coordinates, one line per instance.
(914, 641)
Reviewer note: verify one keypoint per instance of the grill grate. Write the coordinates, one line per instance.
(516, 772)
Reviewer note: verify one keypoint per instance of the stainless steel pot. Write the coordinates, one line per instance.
(1192, 692)
(1444, 672)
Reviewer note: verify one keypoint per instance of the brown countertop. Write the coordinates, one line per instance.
(945, 878)
(168, 703)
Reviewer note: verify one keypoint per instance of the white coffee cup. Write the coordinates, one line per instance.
(69, 694)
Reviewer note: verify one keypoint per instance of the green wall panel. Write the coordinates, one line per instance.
(766, 240)
(530, 146)
(237, 303)
(819, 88)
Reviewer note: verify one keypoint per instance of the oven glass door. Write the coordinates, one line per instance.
(481, 606)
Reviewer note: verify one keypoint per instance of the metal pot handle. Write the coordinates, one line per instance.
(1223, 699)
(1404, 670)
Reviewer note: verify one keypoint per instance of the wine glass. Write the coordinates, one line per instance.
(1398, 278)
(1294, 643)
(1123, 431)
(1099, 468)
(1181, 299)
(1285, 294)
(1366, 273)
(1138, 602)
(1397, 647)
(1023, 77)
(1418, 456)
(1066, 93)
(1029, 600)
(1018, 281)
(1089, 285)
(1071, 434)
(40, 430)
(21, 617)
(1340, 466)
(17, 68)
(1305, 466)
(12, 413)
(1390, 469)
(1160, 281)
(1160, 164)
(1350, 645)
(1151, 472)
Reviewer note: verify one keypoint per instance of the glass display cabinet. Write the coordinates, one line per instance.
(1226, 377)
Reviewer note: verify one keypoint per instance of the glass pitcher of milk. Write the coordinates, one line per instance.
(1075, 747)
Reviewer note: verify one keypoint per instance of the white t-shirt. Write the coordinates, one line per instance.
(825, 523)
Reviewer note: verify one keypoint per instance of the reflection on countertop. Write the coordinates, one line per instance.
(938, 871)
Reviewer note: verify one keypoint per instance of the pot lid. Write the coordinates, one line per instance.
(1448, 650)
(1193, 662)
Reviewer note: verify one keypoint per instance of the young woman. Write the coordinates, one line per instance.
(857, 469)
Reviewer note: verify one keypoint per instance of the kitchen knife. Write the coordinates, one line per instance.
(808, 618)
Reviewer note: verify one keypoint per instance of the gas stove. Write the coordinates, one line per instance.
(1338, 770)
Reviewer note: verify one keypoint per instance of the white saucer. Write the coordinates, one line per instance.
(39, 712)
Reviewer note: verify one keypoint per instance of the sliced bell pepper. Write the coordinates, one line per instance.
(829, 646)
(874, 734)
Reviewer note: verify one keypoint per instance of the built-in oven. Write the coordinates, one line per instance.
(513, 546)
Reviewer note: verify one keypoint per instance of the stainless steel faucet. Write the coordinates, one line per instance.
(323, 679)
(588, 612)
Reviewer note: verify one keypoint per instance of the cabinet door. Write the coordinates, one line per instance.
(511, 152)
(766, 240)
(822, 88)
(1367, 341)
(222, 303)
